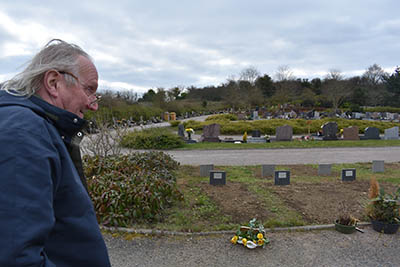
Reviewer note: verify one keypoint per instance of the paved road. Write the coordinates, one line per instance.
(286, 156)
(316, 248)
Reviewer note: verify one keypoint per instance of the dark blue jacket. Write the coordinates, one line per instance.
(46, 215)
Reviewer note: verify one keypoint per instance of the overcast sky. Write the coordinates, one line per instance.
(138, 45)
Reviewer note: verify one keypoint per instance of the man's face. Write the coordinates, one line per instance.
(78, 97)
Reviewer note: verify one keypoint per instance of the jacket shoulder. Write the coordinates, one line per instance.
(22, 118)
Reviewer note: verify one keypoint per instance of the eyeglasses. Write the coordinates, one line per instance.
(89, 92)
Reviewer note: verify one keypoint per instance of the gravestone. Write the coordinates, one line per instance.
(256, 133)
(392, 133)
(282, 177)
(375, 115)
(329, 131)
(371, 133)
(284, 133)
(205, 170)
(378, 166)
(348, 175)
(217, 178)
(211, 133)
(255, 115)
(324, 169)
(181, 130)
(267, 170)
(316, 115)
(351, 133)
(241, 116)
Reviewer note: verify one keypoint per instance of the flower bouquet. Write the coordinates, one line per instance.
(251, 236)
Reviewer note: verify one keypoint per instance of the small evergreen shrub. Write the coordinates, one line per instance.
(131, 188)
(195, 125)
(153, 138)
(228, 117)
(174, 123)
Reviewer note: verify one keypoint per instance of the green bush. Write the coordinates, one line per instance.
(153, 138)
(217, 117)
(195, 125)
(174, 123)
(131, 188)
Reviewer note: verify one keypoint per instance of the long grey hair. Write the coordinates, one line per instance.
(56, 54)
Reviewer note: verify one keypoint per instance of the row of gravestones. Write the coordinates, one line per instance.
(210, 132)
(283, 177)
(285, 133)
(330, 129)
(329, 132)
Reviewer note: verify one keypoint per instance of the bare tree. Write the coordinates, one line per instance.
(105, 141)
(334, 74)
(249, 74)
(284, 73)
(335, 88)
(373, 82)
(374, 74)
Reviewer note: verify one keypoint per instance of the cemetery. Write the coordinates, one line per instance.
(211, 197)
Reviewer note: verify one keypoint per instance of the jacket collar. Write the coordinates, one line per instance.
(67, 123)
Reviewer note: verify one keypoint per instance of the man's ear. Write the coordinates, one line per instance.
(51, 82)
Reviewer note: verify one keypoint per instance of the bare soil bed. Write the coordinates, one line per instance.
(317, 202)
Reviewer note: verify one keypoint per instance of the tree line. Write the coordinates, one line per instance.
(374, 87)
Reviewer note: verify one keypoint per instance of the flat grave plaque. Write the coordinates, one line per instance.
(282, 177)
(205, 170)
(348, 175)
(217, 177)
(378, 166)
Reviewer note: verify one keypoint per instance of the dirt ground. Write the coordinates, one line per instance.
(318, 203)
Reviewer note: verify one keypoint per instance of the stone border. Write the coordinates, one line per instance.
(154, 232)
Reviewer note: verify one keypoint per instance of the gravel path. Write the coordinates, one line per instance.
(311, 248)
(287, 156)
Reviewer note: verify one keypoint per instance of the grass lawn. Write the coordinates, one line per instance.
(293, 144)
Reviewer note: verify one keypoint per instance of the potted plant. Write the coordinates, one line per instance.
(383, 209)
(345, 223)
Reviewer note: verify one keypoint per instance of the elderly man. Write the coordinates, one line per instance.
(46, 215)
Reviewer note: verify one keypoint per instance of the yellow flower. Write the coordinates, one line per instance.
(234, 239)
(260, 242)
(244, 240)
(260, 236)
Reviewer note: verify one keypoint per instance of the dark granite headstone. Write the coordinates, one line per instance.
(181, 130)
(329, 131)
(284, 133)
(217, 178)
(348, 175)
(256, 133)
(282, 177)
(371, 133)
